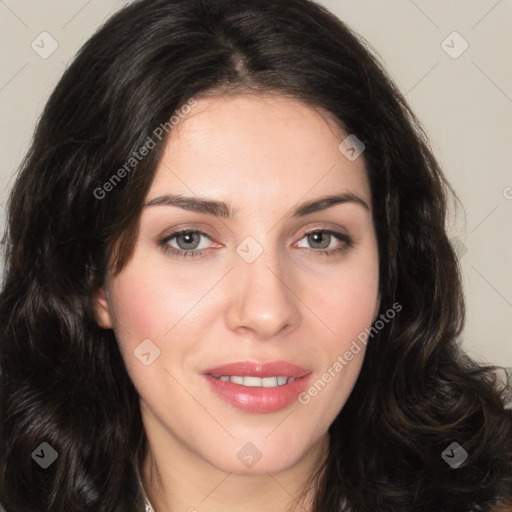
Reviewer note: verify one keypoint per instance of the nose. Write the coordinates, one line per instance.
(261, 299)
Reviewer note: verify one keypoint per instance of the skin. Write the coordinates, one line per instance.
(265, 155)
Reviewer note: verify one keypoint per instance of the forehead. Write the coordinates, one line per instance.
(257, 148)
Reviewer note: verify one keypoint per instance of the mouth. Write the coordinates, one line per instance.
(255, 369)
(258, 387)
(250, 382)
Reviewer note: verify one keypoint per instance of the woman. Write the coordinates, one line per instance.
(228, 283)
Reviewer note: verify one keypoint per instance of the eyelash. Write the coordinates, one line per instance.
(195, 253)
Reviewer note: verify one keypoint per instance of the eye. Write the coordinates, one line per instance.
(185, 243)
(326, 241)
(192, 243)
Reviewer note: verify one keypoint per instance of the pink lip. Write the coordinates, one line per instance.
(255, 369)
(258, 399)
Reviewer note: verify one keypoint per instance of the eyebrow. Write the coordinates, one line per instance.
(226, 210)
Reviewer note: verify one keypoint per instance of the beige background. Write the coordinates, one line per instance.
(465, 104)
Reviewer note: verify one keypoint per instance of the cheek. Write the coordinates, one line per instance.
(149, 301)
(153, 302)
(354, 305)
(346, 310)
(136, 309)
(347, 299)
(146, 306)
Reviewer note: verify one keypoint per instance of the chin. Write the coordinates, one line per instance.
(249, 460)
(272, 466)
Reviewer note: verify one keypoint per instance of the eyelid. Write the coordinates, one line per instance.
(338, 234)
(303, 232)
(163, 240)
(345, 240)
(190, 229)
(323, 227)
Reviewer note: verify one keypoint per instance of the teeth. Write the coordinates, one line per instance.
(265, 382)
(270, 382)
(252, 381)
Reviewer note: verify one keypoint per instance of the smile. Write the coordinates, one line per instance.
(265, 382)
(258, 387)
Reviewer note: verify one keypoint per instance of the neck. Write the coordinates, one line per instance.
(187, 482)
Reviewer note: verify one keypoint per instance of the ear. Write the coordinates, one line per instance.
(101, 308)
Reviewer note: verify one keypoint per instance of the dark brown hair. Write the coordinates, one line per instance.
(63, 380)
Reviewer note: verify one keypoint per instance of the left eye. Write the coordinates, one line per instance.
(323, 239)
(187, 240)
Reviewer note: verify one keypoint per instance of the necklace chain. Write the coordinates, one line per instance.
(147, 505)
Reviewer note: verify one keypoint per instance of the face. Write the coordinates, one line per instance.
(243, 274)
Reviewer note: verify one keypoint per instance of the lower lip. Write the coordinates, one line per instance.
(258, 399)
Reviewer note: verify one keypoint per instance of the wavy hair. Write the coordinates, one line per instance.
(63, 380)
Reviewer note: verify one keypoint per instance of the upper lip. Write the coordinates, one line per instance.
(257, 369)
